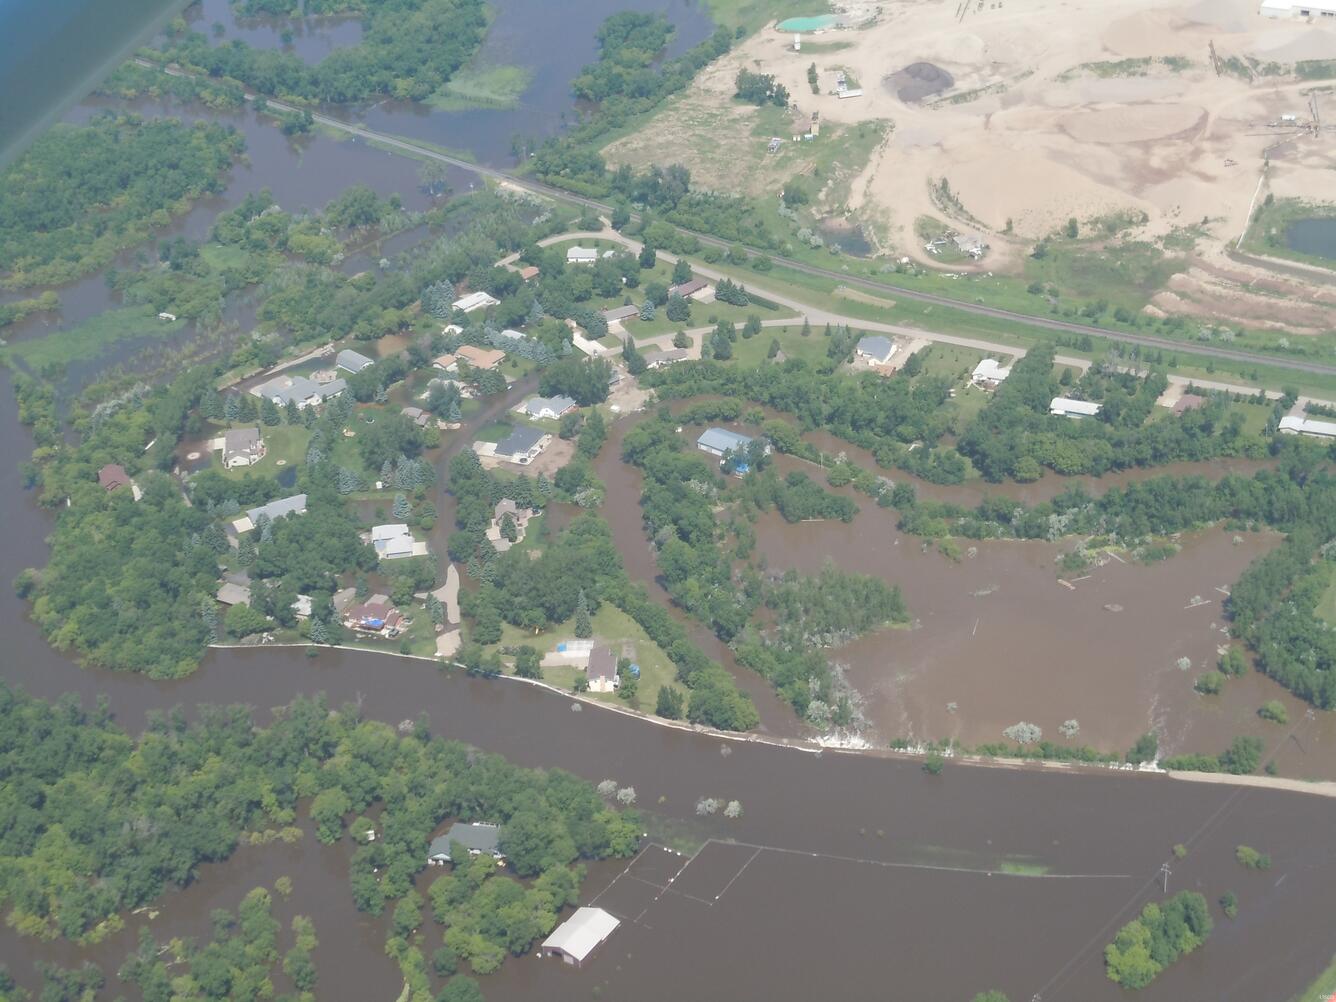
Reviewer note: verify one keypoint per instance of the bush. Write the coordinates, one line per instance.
(933, 764)
(1274, 710)
(1209, 683)
(1251, 859)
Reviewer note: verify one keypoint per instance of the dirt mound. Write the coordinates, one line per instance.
(918, 81)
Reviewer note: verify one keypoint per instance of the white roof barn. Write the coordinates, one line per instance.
(580, 935)
(1294, 425)
(352, 361)
(581, 255)
(1067, 407)
(475, 301)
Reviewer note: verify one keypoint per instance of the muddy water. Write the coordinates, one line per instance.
(867, 928)
(312, 39)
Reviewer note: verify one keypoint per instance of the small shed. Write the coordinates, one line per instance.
(576, 939)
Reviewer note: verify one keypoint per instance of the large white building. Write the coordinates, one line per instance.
(1299, 8)
(1067, 407)
(580, 935)
(1294, 425)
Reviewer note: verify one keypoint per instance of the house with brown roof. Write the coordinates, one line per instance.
(1188, 402)
(479, 358)
(602, 670)
(113, 476)
(528, 273)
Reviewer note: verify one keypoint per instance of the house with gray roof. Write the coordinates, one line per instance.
(547, 407)
(718, 441)
(657, 358)
(242, 447)
(274, 510)
(478, 838)
(523, 445)
(298, 390)
(621, 313)
(876, 349)
(352, 361)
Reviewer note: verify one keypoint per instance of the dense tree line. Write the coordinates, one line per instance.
(882, 415)
(1159, 936)
(1016, 436)
(797, 497)
(833, 607)
(81, 193)
(98, 821)
(409, 49)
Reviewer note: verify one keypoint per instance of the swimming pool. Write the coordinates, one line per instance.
(800, 24)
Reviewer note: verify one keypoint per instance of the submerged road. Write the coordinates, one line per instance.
(870, 285)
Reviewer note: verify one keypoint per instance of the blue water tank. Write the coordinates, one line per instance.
(561, 648)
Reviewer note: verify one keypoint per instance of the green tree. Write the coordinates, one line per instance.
(527, 661)
(584, 627)
(241, 621)
(669, 703)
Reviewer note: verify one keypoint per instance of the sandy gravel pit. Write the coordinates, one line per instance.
(1139, 123)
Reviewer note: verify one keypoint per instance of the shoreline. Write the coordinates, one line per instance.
(1321, 788)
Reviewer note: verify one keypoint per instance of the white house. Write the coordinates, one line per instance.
(575, 940)
(989, 373)
(876, 349)
(1299, 8)
(299, 390)
(1067, 407)
(1294, 425)
(546, 407)
(393, 542)
(581, 255)
(475, 301)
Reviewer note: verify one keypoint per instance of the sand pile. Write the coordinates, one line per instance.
(1291, 47)
(919, 81)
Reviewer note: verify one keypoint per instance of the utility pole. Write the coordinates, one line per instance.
(1164, 872)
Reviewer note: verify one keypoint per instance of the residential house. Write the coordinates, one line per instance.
(373, 616)
(658, 359)
(282, 508)
(581, 255)
(113, 476)
(475, 301)
(620, 313)
(479, 358)
(478, 838)
(417, 415)
(1067, 407)
(523, 445)
(513, 336)
(1188, 402)
(602, 670)
(1292, 424)
(352, 361)
(989, 373)
(547, 407)
(876, 349)
(576, 939)
(446, 363)
(299, 390)
(528, 273)
(231, 593)
(718, 441)
(394, 541)
(697, 288)
(302, 606)
(970, 244)
(242, 447)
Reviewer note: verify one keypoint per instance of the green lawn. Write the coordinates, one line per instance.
(494, 432)
(616, 628)
(752, 351)
(701, 315)
(951, 361)
(91, 338)
(496, 87)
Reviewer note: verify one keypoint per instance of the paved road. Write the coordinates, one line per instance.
(1045, 323)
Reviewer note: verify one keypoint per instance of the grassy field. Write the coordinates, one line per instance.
(752, 351)
(92, 338)
(751, 15)
(498, 87)
(949, 360)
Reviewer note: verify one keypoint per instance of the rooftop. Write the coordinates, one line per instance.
(602, 664)
(475, 837)
(474, 301)
(536, 406)
(621, 313)
(295, 505)
(479, 358)
(241, 439)
(1296, 425)
(112, 476)
(353, 361)
(722, 440)
(520, 440)
(990, 370)
(876, 347)
(580, 934)
(1066, 405)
